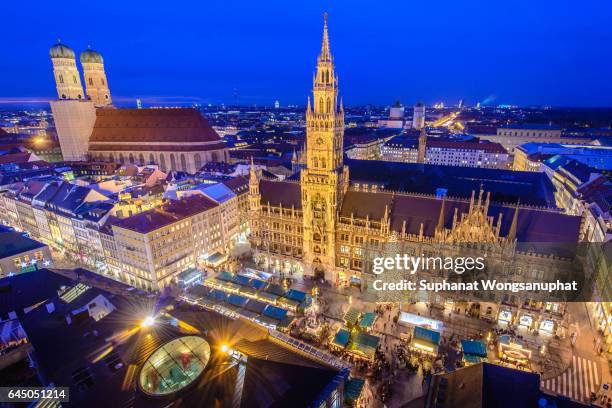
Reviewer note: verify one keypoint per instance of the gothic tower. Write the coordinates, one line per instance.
(67, 78)
(325, 178)
(95, 78)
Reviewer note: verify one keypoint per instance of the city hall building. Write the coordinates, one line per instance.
(323, 224)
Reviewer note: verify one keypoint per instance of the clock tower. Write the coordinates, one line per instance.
(325, 178)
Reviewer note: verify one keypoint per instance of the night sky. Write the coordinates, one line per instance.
(498, 52)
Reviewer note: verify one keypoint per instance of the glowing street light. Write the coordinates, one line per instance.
(225, 348)
(147, 322)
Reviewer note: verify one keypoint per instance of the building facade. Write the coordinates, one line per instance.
(324, 226)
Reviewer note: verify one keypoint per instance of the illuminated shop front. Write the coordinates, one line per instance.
(603, 317)
(548, 326)
(505, 316)
(526, 320)
(512, 351)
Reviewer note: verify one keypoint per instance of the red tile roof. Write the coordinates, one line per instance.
(183, 125)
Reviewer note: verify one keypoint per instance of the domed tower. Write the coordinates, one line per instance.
(95, 78)
(67, 78)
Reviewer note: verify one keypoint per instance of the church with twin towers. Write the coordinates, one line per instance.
(90, 127)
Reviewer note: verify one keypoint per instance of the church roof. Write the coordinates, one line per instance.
(148, 127)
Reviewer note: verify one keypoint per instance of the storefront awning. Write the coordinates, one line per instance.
(275, 312)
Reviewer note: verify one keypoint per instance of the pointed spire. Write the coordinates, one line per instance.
(308, 107)
(341, 105)
(513, 226)
(440, 225)
(325, 52)
(252, 172)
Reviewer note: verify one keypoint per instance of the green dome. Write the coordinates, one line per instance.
(60, 50)
(90, 55)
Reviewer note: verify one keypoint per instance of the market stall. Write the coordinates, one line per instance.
(474, 351)
(425, 340)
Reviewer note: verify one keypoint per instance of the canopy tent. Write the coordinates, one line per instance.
(275, 312)
(189, 276)
(351, 316)
(296, 295)
(256, 306)
(237, 300)
(425, 340)
(474, 351)
(225, 276)
(216, 259)
(275, 289)
(367, 320)
(257, 284)
(241, 280)
(341, 338)
(364, 344)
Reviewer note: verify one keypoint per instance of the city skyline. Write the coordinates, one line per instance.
(263, 62)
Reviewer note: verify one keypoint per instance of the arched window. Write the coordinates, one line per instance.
(321, 106)
(323, 163)
(215, 157)
(74, 79)
(141, 159)
(102, 80)
(316, 162)
(328, 104)
(197, 159)
(111, 158)
(90, 81)
(172, 162)
(162, 161)
(131, 158)
(151, 158)
(183, 162)
(121, 158)
(61, 79)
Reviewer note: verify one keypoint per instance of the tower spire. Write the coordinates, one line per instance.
(325, 52)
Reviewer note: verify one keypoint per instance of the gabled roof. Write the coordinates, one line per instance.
(182, 125)
(285, 193)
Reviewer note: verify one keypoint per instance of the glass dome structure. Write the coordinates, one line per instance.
(174, 366)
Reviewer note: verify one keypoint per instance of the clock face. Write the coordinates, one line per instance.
(319, 141)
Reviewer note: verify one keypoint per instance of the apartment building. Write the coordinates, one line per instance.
(155, 246)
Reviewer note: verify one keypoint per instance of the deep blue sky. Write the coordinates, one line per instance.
(509, 52)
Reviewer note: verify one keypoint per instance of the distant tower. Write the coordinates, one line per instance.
(67, 78)
(73, 114)
(95, 78)
(418, 117)
(276, 104)
(422, 146)
(396, 112)
(138, 103)
(460, 106)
